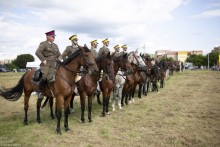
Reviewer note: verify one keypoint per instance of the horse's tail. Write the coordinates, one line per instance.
(45, 102)
(13, 94)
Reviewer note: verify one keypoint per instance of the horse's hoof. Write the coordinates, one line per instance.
(67, 129)
(59, 132)
(52, 116)
(25, 123)
(90, 120)
(108, 113)
(103, 114)
(83, 121)
(39, 121)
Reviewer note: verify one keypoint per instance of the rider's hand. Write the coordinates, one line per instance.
(45, 63)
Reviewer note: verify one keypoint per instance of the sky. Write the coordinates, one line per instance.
(146, 25)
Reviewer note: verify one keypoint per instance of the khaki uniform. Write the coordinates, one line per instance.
(50, 52)
(94, 52)
(123, 53)
(69, 50)
(116, 54)
(103, 51)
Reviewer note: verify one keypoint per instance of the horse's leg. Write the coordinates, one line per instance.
(114, 97)
(82, 102)
(58, 113)
(51, 108)
(66, 112)
(119, 97)
(71, 104)
(104, 102)
(122, 97)
(38, 110)
(107, 102)
(139, 92)
(98, 98)
(26, 100)
(90, 97)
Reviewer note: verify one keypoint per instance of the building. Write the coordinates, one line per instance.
(177, 55)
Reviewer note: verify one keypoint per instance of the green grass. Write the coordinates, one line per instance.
(185, 113)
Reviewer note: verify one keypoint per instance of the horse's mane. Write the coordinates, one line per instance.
(74, 54)
(71, 57)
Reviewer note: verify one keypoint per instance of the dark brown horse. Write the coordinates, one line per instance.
(106, 64)
(61, 89)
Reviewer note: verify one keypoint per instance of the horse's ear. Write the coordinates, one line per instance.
(125, 55)
(108, 55)
(85, 46)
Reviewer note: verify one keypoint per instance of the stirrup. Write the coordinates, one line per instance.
(40, 95)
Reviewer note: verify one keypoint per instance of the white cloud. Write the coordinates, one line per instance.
(124, 22)
(208, 14)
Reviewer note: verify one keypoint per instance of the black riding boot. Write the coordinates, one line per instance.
(41, 88)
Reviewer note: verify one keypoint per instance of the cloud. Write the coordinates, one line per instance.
(208, 14)
(125, 22)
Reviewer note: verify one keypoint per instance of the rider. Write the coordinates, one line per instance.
(124, 48)
(48, 52)
(94, 45)
(117, 49)
(72, 48)
(104, 50)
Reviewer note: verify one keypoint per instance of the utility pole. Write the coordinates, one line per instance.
(208, 61)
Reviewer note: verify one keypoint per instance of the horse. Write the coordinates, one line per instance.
(122, 67)
(162, 69)
(106, 64)
(61, 89)
(140, 74)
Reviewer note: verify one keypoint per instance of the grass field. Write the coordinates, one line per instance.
(185, 113)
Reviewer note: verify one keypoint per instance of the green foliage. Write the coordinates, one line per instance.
(213, 58)
(197, 60)
(11, 66)
(167, 59)
(22, 60)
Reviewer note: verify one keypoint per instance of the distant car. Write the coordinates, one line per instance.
(3, 70)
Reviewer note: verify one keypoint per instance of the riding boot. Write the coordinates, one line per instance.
(41, 88)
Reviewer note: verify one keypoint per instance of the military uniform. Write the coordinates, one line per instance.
(124, 47)
(94, 52)
(116, 53)
(50, 53)
(103, 51)
(69, 50)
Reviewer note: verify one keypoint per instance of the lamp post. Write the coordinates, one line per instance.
(208, 61)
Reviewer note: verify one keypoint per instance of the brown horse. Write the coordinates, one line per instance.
(61, 89)
(106, 65)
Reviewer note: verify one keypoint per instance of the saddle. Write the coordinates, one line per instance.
(37, 75)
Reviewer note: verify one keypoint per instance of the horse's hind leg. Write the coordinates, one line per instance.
(82, 102)
(38, 110)
(26, 101)
(51, 108)
(98, 98)
(66, 112)
(71, 104)
(90, 108)
(58, 113)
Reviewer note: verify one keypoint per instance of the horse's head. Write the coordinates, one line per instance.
(123, 63)
(87, 60)
(106, 64)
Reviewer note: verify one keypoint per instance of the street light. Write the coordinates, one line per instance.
(208, 61)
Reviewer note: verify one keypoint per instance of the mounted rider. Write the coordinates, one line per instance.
(117, 49)
(124, 49)
(94, 45)
(70, 50)
(48, 52)
(104, 50)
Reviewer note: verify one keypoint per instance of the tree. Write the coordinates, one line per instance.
(213, 58)
(167, 59)
(197, 60)
(11, 66)
(22, 60)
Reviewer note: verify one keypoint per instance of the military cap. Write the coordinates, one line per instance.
(51, 33)
(105, 40)
(73, 37)
(124, 46)
(116, 46)
(94, 42)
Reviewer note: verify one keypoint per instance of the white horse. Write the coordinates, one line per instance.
(117, 90)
